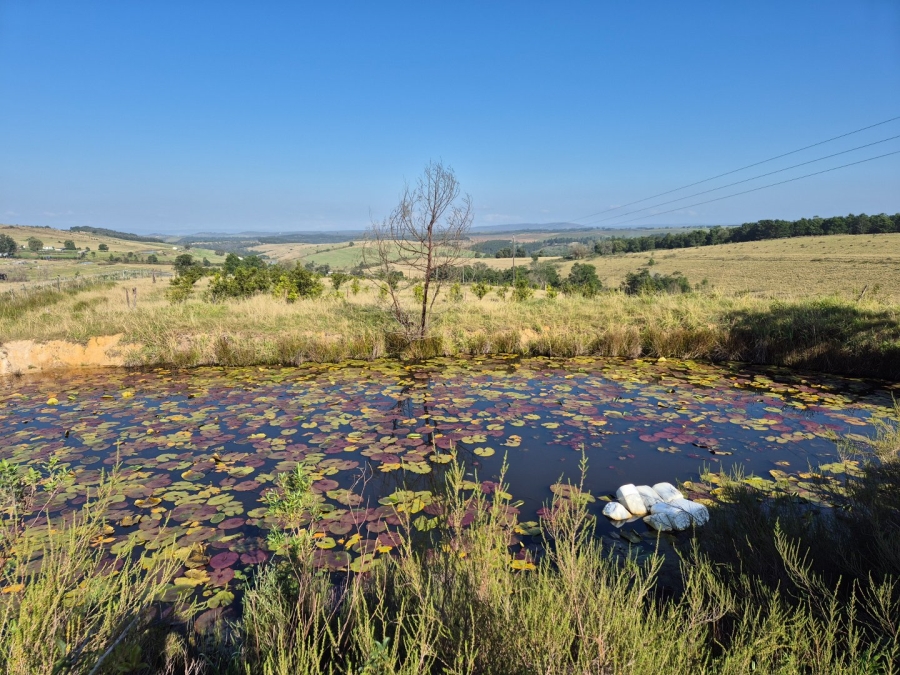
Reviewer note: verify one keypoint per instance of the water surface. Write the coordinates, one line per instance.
(198, 448)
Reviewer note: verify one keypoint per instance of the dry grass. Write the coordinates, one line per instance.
(830, 334)
(841, 265)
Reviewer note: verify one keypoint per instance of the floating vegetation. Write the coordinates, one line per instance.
(199, 451)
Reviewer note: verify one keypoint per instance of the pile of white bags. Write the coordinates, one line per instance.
(666, 506)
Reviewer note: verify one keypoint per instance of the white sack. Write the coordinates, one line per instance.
(667, 492)
(616, 511)
(630, 498)
(698, 512)
(649, 495)
(659, 522)
(678, 519)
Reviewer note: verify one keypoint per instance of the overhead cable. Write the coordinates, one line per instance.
(748, 166)
(762, 187)
(746, 180)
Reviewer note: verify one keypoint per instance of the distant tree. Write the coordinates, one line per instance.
(578, 250)
(206, 262)
(34, 244)
(69, 245)
(219, 252)
(152, 259)
(8, 246)
(93, 254)
(425, 234)
(103, 247)
(183, 262)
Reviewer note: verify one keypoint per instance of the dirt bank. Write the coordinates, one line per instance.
(24, 356)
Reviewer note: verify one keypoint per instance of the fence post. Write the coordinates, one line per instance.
(127, 300)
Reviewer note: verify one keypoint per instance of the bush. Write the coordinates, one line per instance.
(103, 247)
(639, 283)
(298, 283)
(583, 279)
(521, 290)
(480, 289)
(456, 294)
(35, 244)
(245, 282)
(338, 278)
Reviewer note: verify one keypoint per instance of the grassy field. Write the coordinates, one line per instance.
(835, 335)
(840, 265)
(30, 267)
(340, 256)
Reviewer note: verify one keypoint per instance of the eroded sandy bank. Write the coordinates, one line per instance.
(28, 356)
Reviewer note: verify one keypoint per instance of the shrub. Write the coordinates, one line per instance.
(638, 283)
(481, 289)
(245, 282)
(522, 290)
(456, 294)
(103, 247)
(298, 283)
(338, 278)
(583, 279)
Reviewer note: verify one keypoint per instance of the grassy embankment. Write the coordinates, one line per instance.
(829, 334)
(769, 585)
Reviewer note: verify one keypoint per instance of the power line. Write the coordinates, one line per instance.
(762, 187)
(746, 180)
(748, 166)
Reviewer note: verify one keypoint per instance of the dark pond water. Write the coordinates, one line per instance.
(199, 447)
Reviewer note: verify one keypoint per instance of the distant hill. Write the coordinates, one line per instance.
(127, 236)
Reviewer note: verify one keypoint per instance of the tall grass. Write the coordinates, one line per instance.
(460, 607)
(764, 588)
(68, 606)
(828, 334)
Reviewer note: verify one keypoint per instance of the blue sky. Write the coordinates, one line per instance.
(180, 117)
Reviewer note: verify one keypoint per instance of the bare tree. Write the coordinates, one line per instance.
(422, 238)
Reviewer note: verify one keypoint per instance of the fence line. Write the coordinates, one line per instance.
(80, 281)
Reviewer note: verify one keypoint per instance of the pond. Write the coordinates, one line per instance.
(198, 448)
